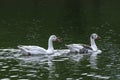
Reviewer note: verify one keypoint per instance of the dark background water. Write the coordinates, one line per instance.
(31, 22)
(26, 22)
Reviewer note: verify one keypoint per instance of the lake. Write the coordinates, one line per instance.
(23, 23)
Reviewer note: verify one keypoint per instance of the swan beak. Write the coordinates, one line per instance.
(98, 37)
(58, 39)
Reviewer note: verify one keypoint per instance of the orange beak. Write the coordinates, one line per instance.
(58, 39)
(98, 37)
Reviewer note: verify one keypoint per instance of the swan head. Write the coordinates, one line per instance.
(54, 38)
(95, 36)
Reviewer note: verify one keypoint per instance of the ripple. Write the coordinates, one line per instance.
(5, 79)
(1, 63)
(58, 60)
(22, 79)
(84, 74)
(105, 77)
(97, 76)
(9, 50)
(32, 75)
(33, 71)
(90, 75)
(69, 78)
(5, 66)
(14, 70)
(13, 76)
(3, 70)
(102, 77)
(57, 75)
(80, 78)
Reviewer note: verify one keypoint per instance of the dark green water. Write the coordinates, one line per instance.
(32, 22)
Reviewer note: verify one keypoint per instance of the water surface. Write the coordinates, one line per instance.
(73, 21)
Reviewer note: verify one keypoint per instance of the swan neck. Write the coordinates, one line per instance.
(93, 44)
(50, 45)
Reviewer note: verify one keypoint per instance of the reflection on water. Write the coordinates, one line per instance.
(67, 66)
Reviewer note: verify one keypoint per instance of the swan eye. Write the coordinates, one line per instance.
(54, 37)
(96, 36)
(92, 37)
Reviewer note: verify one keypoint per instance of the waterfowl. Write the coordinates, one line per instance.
(83, 48)
(31, 50)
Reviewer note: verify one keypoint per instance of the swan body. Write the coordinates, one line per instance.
(83, 48)
(29, 50)
(74, 47)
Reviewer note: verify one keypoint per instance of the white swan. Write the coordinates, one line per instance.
(31, 50)
(82, 48)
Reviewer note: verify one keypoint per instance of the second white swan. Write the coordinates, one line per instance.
(83, 48)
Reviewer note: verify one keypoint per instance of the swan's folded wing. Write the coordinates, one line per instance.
(86, 46)
(32, 49)
(74, 47)
(77, 46)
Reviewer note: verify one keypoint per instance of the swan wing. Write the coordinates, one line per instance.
(32, 49)
(78, 46)
(86, 46)
(81, 46)
(74, 47)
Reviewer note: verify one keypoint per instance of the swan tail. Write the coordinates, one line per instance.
(21, 48)
(67, 45)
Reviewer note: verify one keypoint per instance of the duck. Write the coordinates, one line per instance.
(35, 50)
(83, 48)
